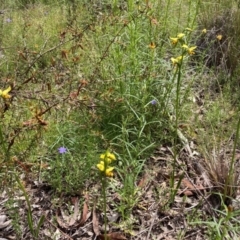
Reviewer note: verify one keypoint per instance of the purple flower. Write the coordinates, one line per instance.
(153, 102)
(62, 150)
(8, 20)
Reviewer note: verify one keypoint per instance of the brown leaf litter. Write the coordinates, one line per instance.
(81, 217)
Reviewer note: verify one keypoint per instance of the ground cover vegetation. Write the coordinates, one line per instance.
(119, 119)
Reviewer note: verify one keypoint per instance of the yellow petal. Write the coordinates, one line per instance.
(109, 172)
(152, 45)
(179, 58)
(185, 46)
(7, 90)
(191, 50)
(4, 93)
(111, 156)
(180, 35)
(101, 166)
(174, 40)
(204, 30)
(174, 60)
(219, 37)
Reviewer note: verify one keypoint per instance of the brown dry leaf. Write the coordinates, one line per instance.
(84, 212)
(112, 236)
(60, 222)
(95, 221)
(143, 181)
(75, 214)
(186, 183)
(188, 193)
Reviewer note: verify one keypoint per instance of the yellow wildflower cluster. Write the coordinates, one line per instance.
(176, 39)
(4, 93)
(186, 49)
(104, 164)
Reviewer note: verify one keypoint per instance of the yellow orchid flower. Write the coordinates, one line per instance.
(174, 40)
(190, 50)
(101, 166)
(204, 31)
(180, 35)
(152, 45)
(177, 61)
(4, 93)
(219, 37)
(105, 159)
(109, 172)
(109, 157)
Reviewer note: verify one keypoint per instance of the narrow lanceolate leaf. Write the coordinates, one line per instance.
(74, 217)
(84, 212)
(40, 223)
(95, 221)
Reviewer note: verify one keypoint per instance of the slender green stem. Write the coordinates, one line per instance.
(166, 14)
(104, 186)
(177, 104)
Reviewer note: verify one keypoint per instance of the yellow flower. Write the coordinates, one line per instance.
(204, 30)
(219, 37)
(4, 93)
(189, 49)
(109, 157)
(180, 35)
(101, 166)
(102, 156)
(174, 40)
(152, 45)
(105, 159)
(109, 172)
(177, 60)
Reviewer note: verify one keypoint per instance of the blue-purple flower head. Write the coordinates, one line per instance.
(62, 150)
(8, 20)
(153, 102)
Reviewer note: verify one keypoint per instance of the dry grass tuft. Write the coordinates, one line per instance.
(221, 181)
